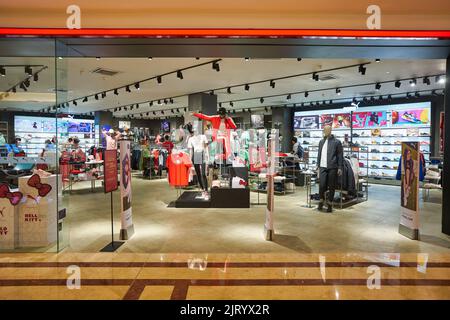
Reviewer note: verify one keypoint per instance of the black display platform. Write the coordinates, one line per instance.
(187, 200)
(230, 198)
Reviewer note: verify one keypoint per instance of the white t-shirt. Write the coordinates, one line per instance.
(197, 142)
(324, 156)
(222, 128)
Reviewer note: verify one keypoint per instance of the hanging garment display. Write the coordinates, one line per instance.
(178, 164)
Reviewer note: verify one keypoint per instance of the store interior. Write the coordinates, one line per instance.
(59, 115)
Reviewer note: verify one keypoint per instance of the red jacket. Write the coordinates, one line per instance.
(215, 121)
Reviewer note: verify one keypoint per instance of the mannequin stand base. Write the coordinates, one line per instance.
(412, 234)
(127, 233)
(112, 246)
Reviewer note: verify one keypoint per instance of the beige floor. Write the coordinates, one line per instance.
(371, 226)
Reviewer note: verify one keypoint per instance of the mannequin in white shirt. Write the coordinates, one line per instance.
(197, 145)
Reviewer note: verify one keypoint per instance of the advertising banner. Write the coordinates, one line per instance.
(126, 216)
(341, 120)
(308, 122)
(409, 202)
(272, 144)
(362, 120)
(110, 170)
(326, 120)
(420, 116)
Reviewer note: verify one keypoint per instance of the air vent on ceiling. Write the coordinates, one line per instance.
(327, 77)
(105, 72)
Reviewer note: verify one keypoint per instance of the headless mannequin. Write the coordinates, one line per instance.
(197, 145)
(329, 160)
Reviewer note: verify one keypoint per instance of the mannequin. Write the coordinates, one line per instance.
(329, 161)
(221, 124)
(197, 145)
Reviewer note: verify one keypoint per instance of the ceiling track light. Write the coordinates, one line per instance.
(125, 108)
(178, 110)
(362, 69)
(127, 89)
(85, 99)
(173, 111)
(397, 84)
(2, 71)
(28, 71)
(338, 91)
(103, 95)
(231, 104)
(147, 113)
(159, 79)
(408, 95)
(116, 92)
(211, 92)
(220, 104)
(306, 94)
(154, 113)
(137, 86)
(115, 109)
(413, 82)
(165, 101)
(440, 79)
(216, 66)
(389, 97)
(299, 59)
(261, 100)
(27, 83)
(377, 60)
(14, 89)
(272, 84)
(96, 96)
(162, 111)
(150, 58)
(180, 75)
(75, 102)
(150, 103)
(120, 108)
(315, 76)
(171, 100)
(131, 107)
(159, 101)
(289, 97)
(35, 77)
(23, 87)
(247, 59)
(247, 87)
(378, 86)
(380, 98)
(229, 90)
(417, 94)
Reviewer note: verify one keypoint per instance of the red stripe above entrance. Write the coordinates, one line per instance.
(262, 33)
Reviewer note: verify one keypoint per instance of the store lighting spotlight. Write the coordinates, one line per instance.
(398, 84)
(171, 100)
(2, 71)
(299, 59)
(131, 107)
(372, 99)
(159, 79)
(413, 82)
(159, 102)
(180, 75)
(417, 94)
(338, 91)
(211, 93)
(120, 108)
(115, 109)
(137, 86)
(289, 97)
(116, 92)
(147, 113)
(173, 111)
(317, 103)
(150, 103)
(28, 71)
(165, 101)
(14, 89)
(426, 81)
(150, 58)
(178, 110)
(162, 111)
(231, 104)
(433, 93)
(378, 86)
(75, 102)
(247, 58)
(362, 69)
(35, 77)
(125, 108)
(266, 109)
(440, 79)
(229, 90)
(354, 100)
(127, 89)
(27, 83)
(261, 100)
(97, 58)
(185, 109)
(154, 113)
(303, 104)
(234, 111)
(331, 101)
(103, 95)
(377, 60)
(216, 66)
(22, 86)
(306, 94)
(96, 96)
(247, 87)
(272, 84)
(85, 99)
(408, 95)
(315, 76)
(220, 104)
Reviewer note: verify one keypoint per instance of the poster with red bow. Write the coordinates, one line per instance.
(9, 201)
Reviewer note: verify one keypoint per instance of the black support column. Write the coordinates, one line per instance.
(446, 171)
(283, 116)
(201, 102)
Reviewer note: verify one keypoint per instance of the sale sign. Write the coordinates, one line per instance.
(110, 170)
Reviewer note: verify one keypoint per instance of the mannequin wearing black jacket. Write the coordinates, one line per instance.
(330, 165)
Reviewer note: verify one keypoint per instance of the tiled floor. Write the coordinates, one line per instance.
(225, 276)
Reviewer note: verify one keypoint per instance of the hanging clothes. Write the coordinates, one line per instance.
(179, 164)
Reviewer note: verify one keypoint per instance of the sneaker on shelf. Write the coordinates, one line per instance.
(396, 159)
(424, 134)
(355, 135)
(386, 142)
(398, 142)
(385, 166)
(374, 166)
(424, 143)
(395, 167)
(385, 159)
(305, 142)
(361, 165)
(375, 151)
(374, 173)
(375, 158)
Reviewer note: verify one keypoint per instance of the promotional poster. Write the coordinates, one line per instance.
(411, 117)
(372, 119)
(341, 120)
(409, 201)
(125, 189)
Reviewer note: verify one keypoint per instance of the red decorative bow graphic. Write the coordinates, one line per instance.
(13, 197)
(242, 182)
(43, 188)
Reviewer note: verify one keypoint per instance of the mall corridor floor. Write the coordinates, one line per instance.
(224, 276)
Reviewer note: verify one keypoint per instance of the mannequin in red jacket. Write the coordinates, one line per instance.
(221, 124)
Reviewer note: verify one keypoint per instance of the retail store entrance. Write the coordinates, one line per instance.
(198, 124)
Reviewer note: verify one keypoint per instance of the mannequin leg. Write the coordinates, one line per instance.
(332, 178)
(323, 176)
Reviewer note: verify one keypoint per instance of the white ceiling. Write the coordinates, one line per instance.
(74, 80)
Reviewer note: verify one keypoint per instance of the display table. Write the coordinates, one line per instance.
(191, 199)
(230, 198)
(38, 214)
(9, 225)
